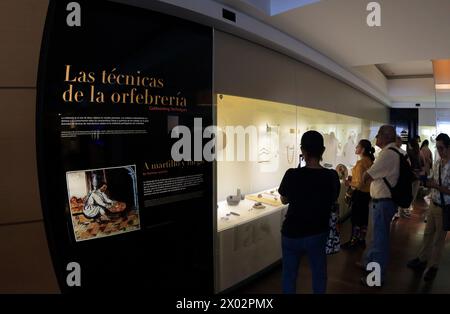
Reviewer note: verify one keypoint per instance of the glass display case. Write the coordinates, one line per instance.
(258, 141)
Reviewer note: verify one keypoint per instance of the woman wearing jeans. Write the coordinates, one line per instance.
(311, 192)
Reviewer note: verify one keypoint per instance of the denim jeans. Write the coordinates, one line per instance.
(293, 249)
(382, 213)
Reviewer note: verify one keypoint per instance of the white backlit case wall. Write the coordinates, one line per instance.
(250, 242)
(341, 134)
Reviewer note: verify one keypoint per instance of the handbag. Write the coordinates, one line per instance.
(333, 245)
(445, 207)
(349, 196)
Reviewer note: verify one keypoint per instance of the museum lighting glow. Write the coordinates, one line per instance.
(441, 71)
(442, 86)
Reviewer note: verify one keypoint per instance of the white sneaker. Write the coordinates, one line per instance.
(396, 216)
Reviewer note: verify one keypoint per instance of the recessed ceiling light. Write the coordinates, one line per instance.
(442, 86)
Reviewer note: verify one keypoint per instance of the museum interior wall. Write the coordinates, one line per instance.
(26, 266)
(245, 69)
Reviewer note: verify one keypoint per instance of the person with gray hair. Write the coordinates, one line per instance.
(382, 207)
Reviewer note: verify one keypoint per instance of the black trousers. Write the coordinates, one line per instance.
(360, 208)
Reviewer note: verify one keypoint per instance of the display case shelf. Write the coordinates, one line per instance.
(246, 211)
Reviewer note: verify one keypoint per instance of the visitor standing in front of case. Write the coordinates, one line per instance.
(360, 197)
(382, 207)
(427, 157)
(418, 166)
(434, 236)
(401, 212)
(311, 191)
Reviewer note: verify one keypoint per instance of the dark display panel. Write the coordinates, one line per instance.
(114, 199)
(406, 122)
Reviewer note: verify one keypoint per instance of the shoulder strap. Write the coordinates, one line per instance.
(384, 179)
(394, 150)
(387, 183)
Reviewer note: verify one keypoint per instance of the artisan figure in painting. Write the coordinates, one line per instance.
(99, 205)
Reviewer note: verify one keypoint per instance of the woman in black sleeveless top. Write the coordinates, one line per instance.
(311, 192)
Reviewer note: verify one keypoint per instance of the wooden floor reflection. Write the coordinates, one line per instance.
(344, 276)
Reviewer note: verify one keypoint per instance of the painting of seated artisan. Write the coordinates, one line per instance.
(103, 202)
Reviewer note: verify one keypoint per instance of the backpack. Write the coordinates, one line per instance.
(402, 192)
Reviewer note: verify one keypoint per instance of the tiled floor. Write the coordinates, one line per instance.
(344, 276)
(86, 228)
